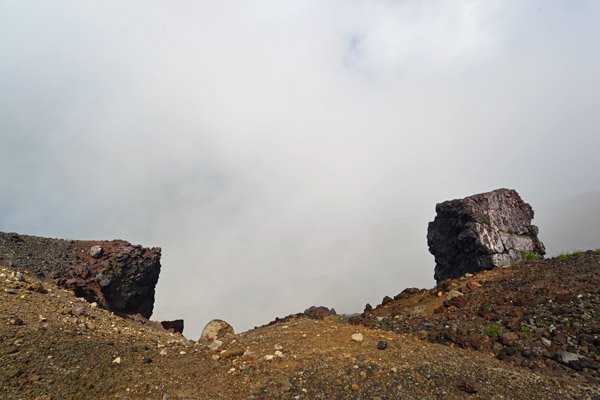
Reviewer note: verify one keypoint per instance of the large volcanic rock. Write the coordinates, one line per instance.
(117, 275)
(481, 232)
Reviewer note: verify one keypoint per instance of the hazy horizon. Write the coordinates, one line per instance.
(288, 154)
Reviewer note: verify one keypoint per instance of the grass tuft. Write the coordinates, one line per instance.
(571, 254)
(492, 331)
(530, 256)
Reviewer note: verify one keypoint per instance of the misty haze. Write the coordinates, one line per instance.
(290, 154)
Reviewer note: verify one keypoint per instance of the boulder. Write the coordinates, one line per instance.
(216, 329)
(175, 326)
(96, 251)
(319, 312)
(482, 232)
(117, 275)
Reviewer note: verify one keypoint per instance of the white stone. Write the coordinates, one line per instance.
(452, 294)
(214, 346)
(96, 251)
(117, 360)
(357, 337)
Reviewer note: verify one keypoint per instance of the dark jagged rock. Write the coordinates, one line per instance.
(175, 325)
(115, 274)
(319, 312)
(482, 232)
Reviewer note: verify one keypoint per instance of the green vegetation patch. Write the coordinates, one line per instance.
(524, 331)
(571, 254)
(530, 256)
(492, 331)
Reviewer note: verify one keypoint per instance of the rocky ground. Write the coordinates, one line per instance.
(116, 274)
(542, 315)
(426, 344)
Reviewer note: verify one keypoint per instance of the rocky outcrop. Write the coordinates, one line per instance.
(115, 274)
(482, 232)
(175, 325)
(319, 312)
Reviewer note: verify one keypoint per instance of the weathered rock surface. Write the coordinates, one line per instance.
(216, 329)
(481, 232)
(115, 274)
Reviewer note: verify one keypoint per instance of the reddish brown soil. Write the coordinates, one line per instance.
(56, 346)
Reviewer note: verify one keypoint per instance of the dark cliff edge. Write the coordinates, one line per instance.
(115, 274)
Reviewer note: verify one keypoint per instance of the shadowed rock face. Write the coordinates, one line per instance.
(117, 275)
(481, 232)
(175, 325)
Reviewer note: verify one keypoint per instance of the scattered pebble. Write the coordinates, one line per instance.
(117, 360)
(357, 337)
(37, 287)
(17, 276)
(16, 321)
(382, 345)
(452, 294)
(96, 251)
(215, 345)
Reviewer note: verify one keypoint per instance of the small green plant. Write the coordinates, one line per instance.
(570, 254)
(530, 256)
(492, 331)
(524, 331)
(597, 251)
(486, 222)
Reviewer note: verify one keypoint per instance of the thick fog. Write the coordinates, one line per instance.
(290, 153)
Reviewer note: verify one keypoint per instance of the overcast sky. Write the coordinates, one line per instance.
(288, 153)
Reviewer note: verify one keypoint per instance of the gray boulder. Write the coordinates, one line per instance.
(482, 232)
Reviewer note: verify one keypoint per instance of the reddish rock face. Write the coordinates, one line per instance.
(482, 232)
(115, 274)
